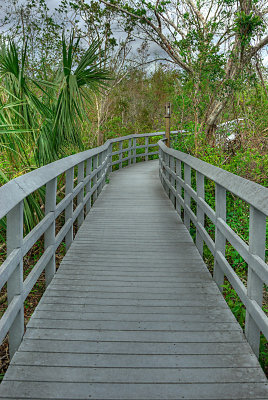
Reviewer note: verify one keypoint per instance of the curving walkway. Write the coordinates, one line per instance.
(133, 313)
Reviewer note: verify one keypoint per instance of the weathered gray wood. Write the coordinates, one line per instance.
(220, 241)
(129, 151)
(94, 180)
(187, 198)
(132, 312)
(200, 191)
(257, 245)
(69, 185)
(15, 281)
(50, 206)
(138, 348)
(88, 186)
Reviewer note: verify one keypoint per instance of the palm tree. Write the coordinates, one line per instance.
(40, 119)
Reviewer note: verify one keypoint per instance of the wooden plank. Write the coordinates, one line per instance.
(59, 359)
(139, 348)
(144, 326)
(222, 316)
(133, 391)
(136, 336)
(111, 374)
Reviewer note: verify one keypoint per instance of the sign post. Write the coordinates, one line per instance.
(167, 117)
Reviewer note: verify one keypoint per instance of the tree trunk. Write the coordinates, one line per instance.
(212, 119)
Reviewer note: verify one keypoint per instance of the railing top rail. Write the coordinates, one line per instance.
(251, 192)
(19, 188)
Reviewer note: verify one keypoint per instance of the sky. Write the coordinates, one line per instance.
(155, 51)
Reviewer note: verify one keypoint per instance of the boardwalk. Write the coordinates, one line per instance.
(133, 313)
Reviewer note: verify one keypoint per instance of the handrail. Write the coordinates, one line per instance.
(19, 188)
(92, 166)
(251, 192)
(174, 182)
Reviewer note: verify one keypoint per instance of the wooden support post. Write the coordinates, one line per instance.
(120, 154)
(187, 197)
(110, 158)
(99, 174)
(172, 180)
(88, 185)
(80, 196)
(178, 186)
(167, 117)
(15, 281)
(50, 206)
(220, 241)
(69, 186)
(146, 148)
(134, 150)
(200, 190)
(129, 151)
(94, 180)
(257, 236)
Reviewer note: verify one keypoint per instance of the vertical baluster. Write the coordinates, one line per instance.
(69, 186)
(134, 150)
(220, 241)
(80, 196)
(165, 173)
(110, 152)
(15, 282)
(129, 151)
(120, 154)
(160, 154)
(103, 173)
(94, 180)
(88, 185)
(146, 148)
(172, 181)
(50, 206)
(99, 173)
(257, 233)
(200, 189)
(178, 186)
(187, 197)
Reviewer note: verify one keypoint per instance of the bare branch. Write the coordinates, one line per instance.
(254, 49)
(164, 43)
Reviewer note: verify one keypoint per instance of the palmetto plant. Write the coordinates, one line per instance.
(39, 119)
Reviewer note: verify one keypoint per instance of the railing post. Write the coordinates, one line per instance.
(200, 190)
(15, 282)
(129, 151)
(69, 186)
(178, 186)
(120, 154)
(172, 180)
(167, 117)
(99, 174)
(134, 150)
(80, 196)
(103, 174)
(110, 158)
(257, 233)
(166, 175)
(146, 148)
(94, 180)
(220, 241)
(88, 185)
(50, 206)
(187, 197)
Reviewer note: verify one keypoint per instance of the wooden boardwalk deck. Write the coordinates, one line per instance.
(133, 313)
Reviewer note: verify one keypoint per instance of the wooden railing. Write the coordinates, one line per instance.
(91, 167)
(179, 188)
